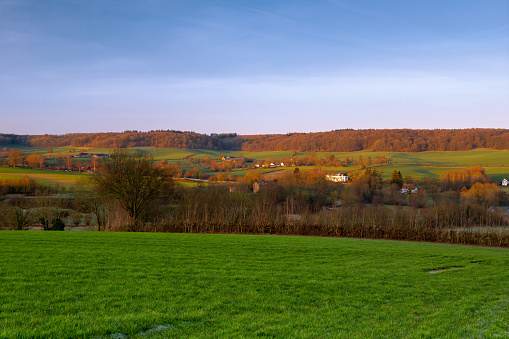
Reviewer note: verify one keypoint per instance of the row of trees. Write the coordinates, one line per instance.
(176, 139)
(394, 140)
(464, 177)
(402, 140)
(16, 158)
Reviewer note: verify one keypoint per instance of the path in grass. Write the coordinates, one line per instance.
(114, 285)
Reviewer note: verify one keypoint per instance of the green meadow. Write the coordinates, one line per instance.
(153, 285)
(45, 177)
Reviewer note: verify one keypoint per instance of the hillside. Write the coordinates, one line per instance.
(388, 140)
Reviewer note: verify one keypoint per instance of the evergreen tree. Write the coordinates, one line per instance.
(397, 178)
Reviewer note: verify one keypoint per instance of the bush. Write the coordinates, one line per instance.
(57, 225)
(88, 219)
(76, 218)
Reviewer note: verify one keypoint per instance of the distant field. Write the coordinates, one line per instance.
(43, 176)
(41, 150)
(418, 165)
(119, 285)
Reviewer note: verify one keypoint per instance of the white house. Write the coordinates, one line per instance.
(505, 182)
(337, 177)
(405, 190)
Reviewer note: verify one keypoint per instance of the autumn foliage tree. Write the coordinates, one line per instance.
(15, 157)
(397, 178)
(367, 185)
(35, 159)
(464, 177)
(483, 194)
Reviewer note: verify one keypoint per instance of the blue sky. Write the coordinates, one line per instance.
(252, 67)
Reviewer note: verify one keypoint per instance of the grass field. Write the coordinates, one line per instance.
(45, 177)
(120, 285)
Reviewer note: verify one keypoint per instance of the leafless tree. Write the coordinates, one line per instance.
(132, 180)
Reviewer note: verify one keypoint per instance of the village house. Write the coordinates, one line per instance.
(83, 155)
(337, 177)
(406, 190)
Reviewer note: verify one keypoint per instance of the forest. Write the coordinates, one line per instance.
(346, 140)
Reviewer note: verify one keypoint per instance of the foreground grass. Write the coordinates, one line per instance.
(87, 284)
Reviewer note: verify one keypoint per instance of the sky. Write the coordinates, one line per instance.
(252, 66)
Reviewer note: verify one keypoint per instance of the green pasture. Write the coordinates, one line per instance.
(128, 285)
(215, 155)
(45, 177)
(67, 150)
(25, 149)
(484, 157)
(165, 153)
(343, 155)
(191, 183)
(242, 172)
(263, 155)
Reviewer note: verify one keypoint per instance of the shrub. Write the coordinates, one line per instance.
(76, 218)
(88, 219)
(57, 225)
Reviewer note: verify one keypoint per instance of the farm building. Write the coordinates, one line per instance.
(91, 155)
(83, 155)
(337, 177)
(406, 190)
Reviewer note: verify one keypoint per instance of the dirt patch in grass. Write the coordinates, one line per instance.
(443, 270)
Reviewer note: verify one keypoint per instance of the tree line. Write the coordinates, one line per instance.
(390, 140)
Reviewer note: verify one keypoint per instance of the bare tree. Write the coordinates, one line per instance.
(49, 210)
(134, 182)
(87, 198)
(69, 162)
